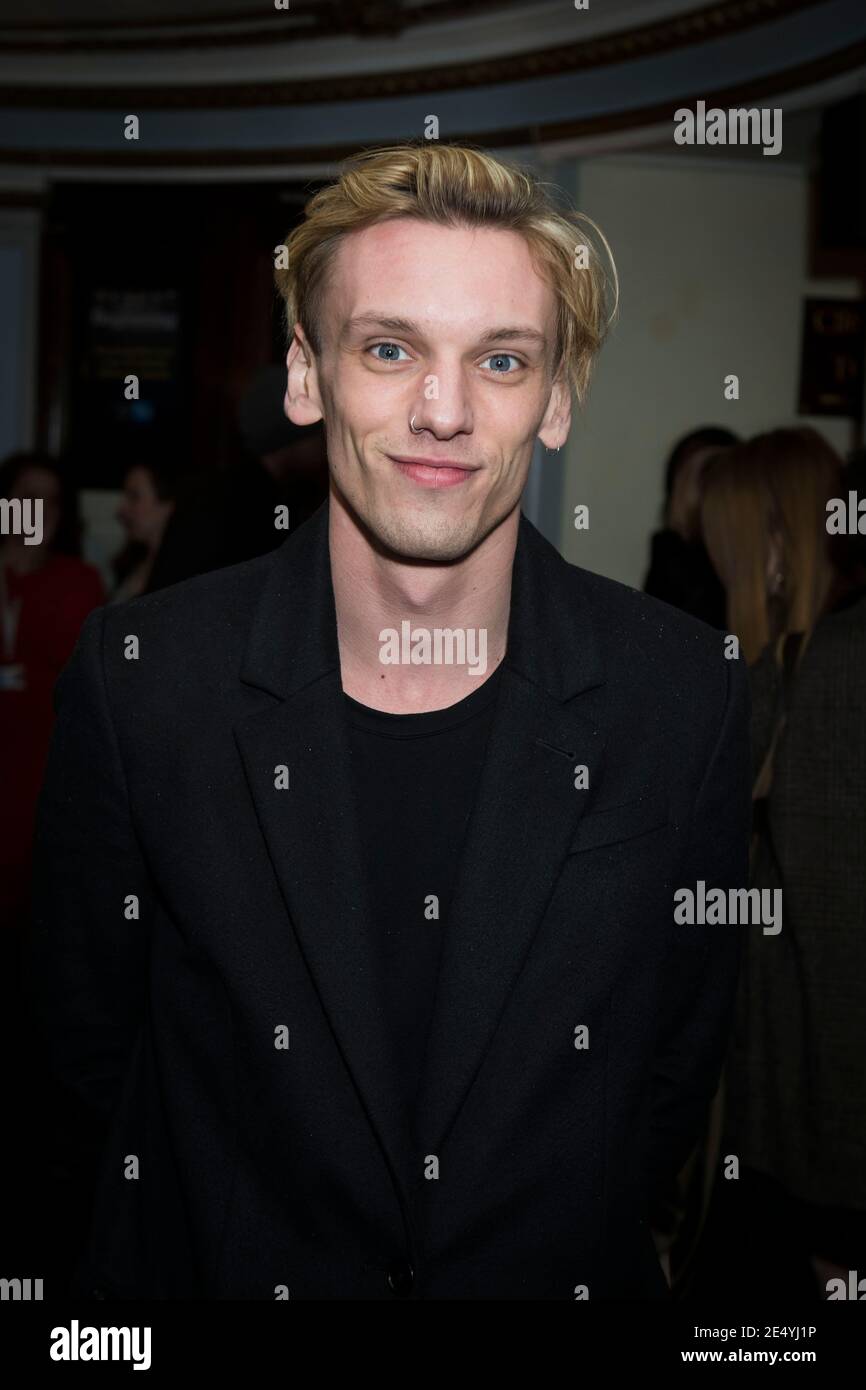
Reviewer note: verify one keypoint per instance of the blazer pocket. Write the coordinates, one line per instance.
(623, 822)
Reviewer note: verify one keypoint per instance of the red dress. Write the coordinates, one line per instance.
(54, 601)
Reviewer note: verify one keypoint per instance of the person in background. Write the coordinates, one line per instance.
(680, 571)
(46, 592)
(146, 504)
(849, 550)
(795, 1081)
(225, 516)
(293, 455)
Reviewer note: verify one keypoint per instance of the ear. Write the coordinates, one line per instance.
(302, 402)
(556, 423)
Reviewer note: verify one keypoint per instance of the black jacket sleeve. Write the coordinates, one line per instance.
(702, 968)
(88, 955)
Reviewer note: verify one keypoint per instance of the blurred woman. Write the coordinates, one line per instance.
(680, 571)
(145, 507)
(46, 592)
(795, 1079)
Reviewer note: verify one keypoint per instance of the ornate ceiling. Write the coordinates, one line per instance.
(240, 82)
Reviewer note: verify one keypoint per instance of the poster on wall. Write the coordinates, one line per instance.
(128, 399)
(831, 363)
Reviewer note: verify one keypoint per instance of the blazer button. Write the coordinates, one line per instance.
(401, 1277)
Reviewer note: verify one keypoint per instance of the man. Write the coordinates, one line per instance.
(357, 942)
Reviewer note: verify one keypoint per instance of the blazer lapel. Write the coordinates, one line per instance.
(526, 812)
(310, 828)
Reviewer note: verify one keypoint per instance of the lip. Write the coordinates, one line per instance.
(435, 473)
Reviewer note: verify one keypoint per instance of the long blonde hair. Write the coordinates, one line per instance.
(770, 495)
(457, 185)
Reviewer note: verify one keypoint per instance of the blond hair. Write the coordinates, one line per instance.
(737, 521)
(776, 485)
(457, 185)
(803, 472)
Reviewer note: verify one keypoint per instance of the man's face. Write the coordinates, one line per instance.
(451, 326)
(141, 511)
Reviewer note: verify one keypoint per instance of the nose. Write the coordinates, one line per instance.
(445, 408)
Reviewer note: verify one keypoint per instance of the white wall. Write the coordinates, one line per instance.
(103, 536)
(711, 258)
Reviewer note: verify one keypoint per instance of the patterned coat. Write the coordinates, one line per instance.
(796, 1076)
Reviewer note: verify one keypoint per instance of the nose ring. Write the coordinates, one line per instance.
(412, 426)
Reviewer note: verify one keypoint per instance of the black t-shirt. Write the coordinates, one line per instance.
(415, 778)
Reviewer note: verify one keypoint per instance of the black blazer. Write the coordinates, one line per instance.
(229, 1167)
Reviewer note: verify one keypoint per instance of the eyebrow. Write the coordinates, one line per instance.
(409, 329)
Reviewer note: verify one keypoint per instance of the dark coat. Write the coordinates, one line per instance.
(796, 1077)
(261, 1167)
(681, 573)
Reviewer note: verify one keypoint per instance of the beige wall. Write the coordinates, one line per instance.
(711, 259)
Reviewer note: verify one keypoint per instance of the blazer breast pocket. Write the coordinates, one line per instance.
(623, 822)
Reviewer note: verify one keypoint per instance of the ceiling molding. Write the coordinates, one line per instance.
(773, 84)
(318, 19)
(23, 198)
(694, 27)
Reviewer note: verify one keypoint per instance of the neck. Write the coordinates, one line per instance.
(373, 592)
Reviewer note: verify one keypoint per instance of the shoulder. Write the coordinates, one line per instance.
(671, 681)
(840, 632)
(666, 674)
(648, 637)
(831, 673)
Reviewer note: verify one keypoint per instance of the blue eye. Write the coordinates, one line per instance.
(503, 357)
(389, 348)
